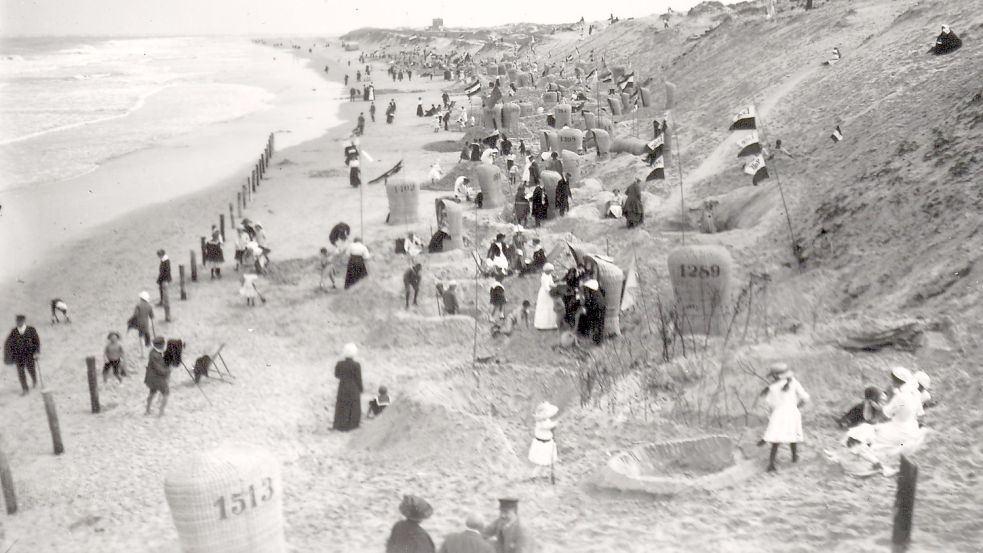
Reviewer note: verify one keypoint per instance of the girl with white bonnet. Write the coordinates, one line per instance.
(545, 314)
(784, 397)
(542, 451)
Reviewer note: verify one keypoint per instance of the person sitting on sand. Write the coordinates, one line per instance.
(946, 42)
(158, 376)
(436, 244)
(449, 298)
(407, 536)
(379, 403)
(901, 434)
(462, 189)
(867, 411)
(469, 540)
(612, 209)
(924, 383)
(113, 357)
(784, 397)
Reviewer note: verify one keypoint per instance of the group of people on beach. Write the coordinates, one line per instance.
(506, 534)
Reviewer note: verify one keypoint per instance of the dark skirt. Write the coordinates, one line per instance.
(355, 176)
(348, 407)
(356, 270)
(214, 253)
(419, 111)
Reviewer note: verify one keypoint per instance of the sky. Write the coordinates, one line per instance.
(293, 17)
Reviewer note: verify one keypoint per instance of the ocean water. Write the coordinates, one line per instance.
(69, 105)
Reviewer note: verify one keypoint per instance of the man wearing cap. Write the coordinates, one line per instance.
(22, 348)
(507, 533)
(158, 376)
(469, 540)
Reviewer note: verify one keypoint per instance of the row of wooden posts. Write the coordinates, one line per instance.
(243, 198)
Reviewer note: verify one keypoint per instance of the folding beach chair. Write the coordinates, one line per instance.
(205, 364)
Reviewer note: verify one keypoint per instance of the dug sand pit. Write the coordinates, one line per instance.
(421, 433)
(406, 330)
(668, 468)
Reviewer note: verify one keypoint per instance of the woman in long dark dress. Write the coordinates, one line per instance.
(348, 405)
(634, 209)
(357, 270)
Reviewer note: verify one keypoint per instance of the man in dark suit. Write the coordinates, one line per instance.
(507, 533)
(163, 282)
(22, 348)
(468, 541)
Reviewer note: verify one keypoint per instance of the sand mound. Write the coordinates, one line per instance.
(368, 296)
(468, 169)
(443, 146)
(412, 431)
(404, 330)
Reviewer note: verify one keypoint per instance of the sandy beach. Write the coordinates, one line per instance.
(458, 431)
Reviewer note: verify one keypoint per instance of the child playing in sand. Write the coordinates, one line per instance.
(497, 298)
(113, 356)
(249, 290)
(327, 269)
(542, 451)
(869, 410)
(379, 403)
(784, 396)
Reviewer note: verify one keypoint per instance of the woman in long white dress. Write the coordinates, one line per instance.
(784, 396)
(545, 314)
(901, 434)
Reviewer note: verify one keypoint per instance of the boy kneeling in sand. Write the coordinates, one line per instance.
(158, 376)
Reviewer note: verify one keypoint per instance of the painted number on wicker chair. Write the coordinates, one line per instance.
(239, 503)
(699, 271)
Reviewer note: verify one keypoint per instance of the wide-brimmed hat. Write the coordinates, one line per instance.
(545, 410)
(145, 296)
(349, 351)
(548, 268)
(923, 379)
(592, 284)
(415, 508)
(111, 334)
(779, 370)
(902, 374)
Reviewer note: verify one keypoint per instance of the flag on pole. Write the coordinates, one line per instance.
(655, 146)
(395, 169)
(837, 134)
(473, 88)
(745, 120)
(757, 169)
(749, 145)
(626, 81)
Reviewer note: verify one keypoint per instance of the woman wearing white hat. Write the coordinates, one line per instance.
(901, 434)
(142, 319)
(545, 313)
(784, 396)
(348, 403)
(542, 451)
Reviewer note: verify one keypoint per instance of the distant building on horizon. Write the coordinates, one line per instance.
(438, 24)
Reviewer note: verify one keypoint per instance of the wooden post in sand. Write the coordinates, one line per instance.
(194, 267)
(904, 506)
(180, 269)
(252, 181)
(221, 225)
(232, 219)
(90, 369)
(238, 205)
(245, 194)
(201, 239)
(7, 482)
(49, 409)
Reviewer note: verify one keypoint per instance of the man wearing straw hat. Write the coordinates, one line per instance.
(507, 533)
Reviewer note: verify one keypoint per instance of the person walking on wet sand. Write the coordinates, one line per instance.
(784, 396)
(372, 111)
(22, 349)
(469, 540)
(407, 536)
(360, 126)
(348, 402)
(158, 376)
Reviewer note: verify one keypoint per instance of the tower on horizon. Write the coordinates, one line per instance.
(438, 24)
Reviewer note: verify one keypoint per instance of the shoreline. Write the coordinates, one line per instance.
(39, 221)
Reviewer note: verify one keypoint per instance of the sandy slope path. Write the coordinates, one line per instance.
(106, 492)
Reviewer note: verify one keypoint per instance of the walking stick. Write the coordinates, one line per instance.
(553, 462)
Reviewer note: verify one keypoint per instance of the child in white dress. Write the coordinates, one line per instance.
(784, 397)
(542, 451)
